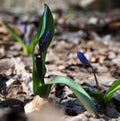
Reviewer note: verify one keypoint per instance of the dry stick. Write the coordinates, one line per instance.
(97, 84)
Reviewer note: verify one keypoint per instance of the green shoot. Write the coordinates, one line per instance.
(113, 88)
(17, 37)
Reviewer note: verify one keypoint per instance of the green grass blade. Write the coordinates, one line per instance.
(114, 87)
(81, 94)
(16, 37)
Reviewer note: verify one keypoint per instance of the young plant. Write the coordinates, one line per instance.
(102, 98)
(25, 46)
(43, 40)
(85, 61)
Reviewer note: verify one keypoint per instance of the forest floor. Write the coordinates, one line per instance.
(96, 35)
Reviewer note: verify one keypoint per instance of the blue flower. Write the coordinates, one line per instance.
(24, 28)
(82, 58)
(43, 41)
(90, 89)
(27, 42)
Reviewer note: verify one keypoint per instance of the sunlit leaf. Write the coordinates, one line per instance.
(81, 94)
(114, 87)
(16, 36)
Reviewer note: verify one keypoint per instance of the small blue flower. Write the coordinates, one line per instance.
(91, 89)
(43, 41)
(24, 28)
(82, 58)
(27, 42)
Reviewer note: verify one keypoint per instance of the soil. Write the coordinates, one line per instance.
(96, 35)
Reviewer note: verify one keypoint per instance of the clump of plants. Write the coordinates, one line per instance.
(43, 39)
(103, 98)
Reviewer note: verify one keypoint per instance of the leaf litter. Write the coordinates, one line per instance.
(100, 46)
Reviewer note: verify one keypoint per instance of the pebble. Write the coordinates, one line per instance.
(106, 79)
(102, 69)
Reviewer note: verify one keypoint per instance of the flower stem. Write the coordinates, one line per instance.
(96, 80)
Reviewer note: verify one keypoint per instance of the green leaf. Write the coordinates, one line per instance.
(81, 94)
(16, 36)
(49, 27)
(32, 44)
(40, 31)
(114, 87)
(72, 95)
(46, 23)
(98, 96)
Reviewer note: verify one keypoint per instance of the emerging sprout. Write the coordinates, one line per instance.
(85, 61)
(43, 42)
